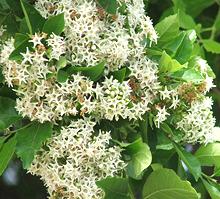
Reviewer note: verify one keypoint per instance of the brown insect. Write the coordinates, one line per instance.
(74, 15)
(101, 13)
(134, 84)
(41, 49)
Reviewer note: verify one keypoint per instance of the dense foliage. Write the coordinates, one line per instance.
(101, 103)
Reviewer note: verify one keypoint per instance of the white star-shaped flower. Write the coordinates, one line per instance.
(28, 57)
(165, 94)
(36, 40)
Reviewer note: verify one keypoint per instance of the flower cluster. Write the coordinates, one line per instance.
(75, 159)
(198, 123)
(92, 35)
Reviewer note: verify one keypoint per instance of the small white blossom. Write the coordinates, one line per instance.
(75, 160)
(36, 39)
(27, 57)
(2, 30)
(161, 116)
(57, 45)
(198, 123)
(165, 94)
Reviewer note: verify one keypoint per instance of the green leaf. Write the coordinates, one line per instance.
(167, 29)
(209, 155)
(93, 72)
(165, 184)
(115, 188)
(188, 75)
(10, 22)
(167, 64)
(140, 158)
(190, 160)
(213, 191)
(54, 24)
(8, 114)
(62, 62)
(185, 20)
(179, 5)
(6, 153)
(22, 48)
(15, 6)
(195, 7)
(20, 39)
(211, 46)
(156, 166)
(217, 22)
(182, 46)
(4, 4)
(34, 21)
(30, 140)
(62, 76)
(110, 6)
(163, 142)
(119, 74)
(184, 50)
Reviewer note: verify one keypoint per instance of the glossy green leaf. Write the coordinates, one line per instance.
(167, 64)
(195, 7)
(140, 158)
(93, 72)
(213, 191)
(8, 114)
(30, 140)
(62, 76)
(110, 6)
(6, 152)
(163, 142)
(190, 161)
(182, 46)
(165, 184)
(209, 155)
(188, 75)
(54, 25)
(10, 22)
(119, 74)
(34, 21)
(167, 29)
(20, 39)
(115, 188)
(15, 7)
(217, 22)
(62, 62)
(211, 46)
(179, 5)
(185, 20)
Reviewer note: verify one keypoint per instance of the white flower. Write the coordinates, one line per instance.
(2, 30)
(198, 123)
(161, 116)
(27, 57)
(165, 94)
(91, 37)
(215, 136)
(75, 160)
(57, 45)
(175, 100)
(115, 99)
(36, 39)
(209, 84)
(202, 64)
